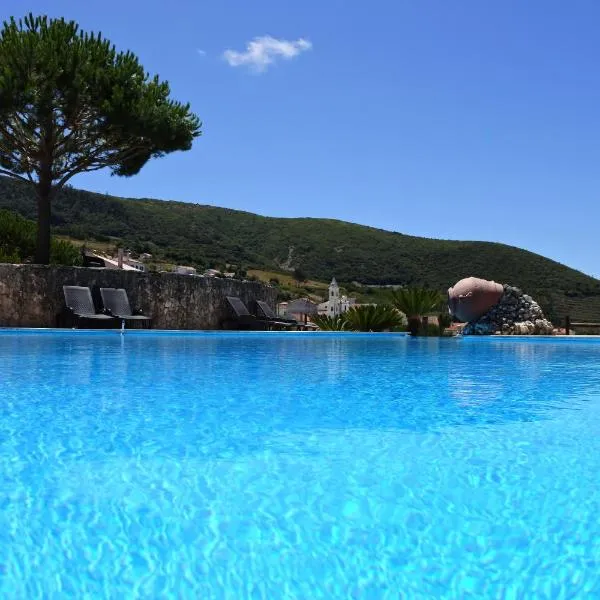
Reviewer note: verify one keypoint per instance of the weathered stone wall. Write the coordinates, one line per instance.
(515, 314)
(32, 295)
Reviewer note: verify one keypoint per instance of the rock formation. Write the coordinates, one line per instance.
(514, 313)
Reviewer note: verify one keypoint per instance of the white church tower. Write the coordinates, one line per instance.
(333, 306)
(336, 305)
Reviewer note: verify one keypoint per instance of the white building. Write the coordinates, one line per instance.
(113, 263)
(133, 264)
(336, 305)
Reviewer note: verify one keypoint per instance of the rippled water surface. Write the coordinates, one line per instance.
(298, 466)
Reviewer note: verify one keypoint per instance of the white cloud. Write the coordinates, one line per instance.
(264, 51)
(200, 52)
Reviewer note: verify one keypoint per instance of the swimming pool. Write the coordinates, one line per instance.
(298, 466)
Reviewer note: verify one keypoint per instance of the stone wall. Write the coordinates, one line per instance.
(515, 314)
(32, 295)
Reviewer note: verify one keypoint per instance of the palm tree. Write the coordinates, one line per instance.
(371, 317)
(327, 323)
(416, 303)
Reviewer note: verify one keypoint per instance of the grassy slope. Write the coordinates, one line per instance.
(206, 235)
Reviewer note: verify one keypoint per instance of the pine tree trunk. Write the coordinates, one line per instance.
(44, 194)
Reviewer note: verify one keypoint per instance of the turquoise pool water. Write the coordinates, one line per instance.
(298, 466)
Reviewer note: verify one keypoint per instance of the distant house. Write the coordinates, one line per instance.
(336, 305)
(183, 270)
(134, 264)
(300, 309)
(127, 264)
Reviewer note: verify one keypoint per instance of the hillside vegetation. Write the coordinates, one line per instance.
(18, 237)
(208, 236)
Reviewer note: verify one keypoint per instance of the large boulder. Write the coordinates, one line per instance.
(472, 297)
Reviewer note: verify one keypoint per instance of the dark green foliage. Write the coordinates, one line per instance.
(284, 296)
(327, 323)
(416, 303)
(64, 253)
(241, 273)
(16, 234)
(206, 235)
(17, 242)
(70, 103)
(9, 257)
(371, 317)
(368, 317)
(299, 275)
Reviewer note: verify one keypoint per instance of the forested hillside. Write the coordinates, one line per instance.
(321, 248)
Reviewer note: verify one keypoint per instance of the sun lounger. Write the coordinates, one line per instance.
(242, 318)
(79, 308)
(266, 312)
(116, 304)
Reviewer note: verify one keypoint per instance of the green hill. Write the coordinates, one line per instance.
(208, 236)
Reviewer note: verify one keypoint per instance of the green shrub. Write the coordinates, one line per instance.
(299, 275)
(17, 235)
(284, 295)
(5, 257)
(416, 303)
(373, 317)
(369, 317)
(18, 238)
(64, 253)
(327, 323)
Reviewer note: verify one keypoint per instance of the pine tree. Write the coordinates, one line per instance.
(70, 103)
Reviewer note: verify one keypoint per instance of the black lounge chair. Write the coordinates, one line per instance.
(266, 312)
(243, 319)
(116, 304)
(79, 307)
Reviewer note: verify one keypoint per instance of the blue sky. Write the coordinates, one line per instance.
(461, 120)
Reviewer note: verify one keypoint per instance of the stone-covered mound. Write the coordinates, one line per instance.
(515, 314)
